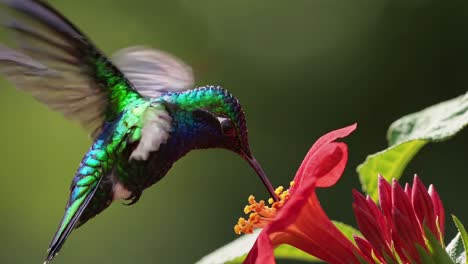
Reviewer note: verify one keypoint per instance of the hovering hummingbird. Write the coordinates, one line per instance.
(141, 108)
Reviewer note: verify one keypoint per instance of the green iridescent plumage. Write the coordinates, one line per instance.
(213, 98)
(121, 92)
(96, 164)
(217, 101)
(139, 108)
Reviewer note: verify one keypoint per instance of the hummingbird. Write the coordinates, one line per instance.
(140, 106)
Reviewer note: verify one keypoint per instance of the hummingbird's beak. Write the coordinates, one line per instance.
(258, 169)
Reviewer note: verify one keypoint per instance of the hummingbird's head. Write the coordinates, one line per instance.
(223, 123)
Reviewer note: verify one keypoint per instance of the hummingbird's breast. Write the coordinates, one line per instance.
(133, 175)
(186, 132)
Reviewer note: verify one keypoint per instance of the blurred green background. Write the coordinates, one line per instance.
(300, 68)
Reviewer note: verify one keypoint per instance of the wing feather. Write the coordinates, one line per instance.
(48, 57)
(153, 72)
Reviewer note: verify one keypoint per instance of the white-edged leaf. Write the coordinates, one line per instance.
(464, 240)
(456, 250)
(235, 249)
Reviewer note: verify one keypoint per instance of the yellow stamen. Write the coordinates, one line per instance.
(261, 214)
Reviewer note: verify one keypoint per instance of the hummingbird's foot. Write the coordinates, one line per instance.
(135, 197)
(261, 214)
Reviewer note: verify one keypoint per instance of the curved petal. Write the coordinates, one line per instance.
(372, 224)
(438, 209)
(312, 230)
(314, 153)
(407, 231)
(423, 207)
(334, 157)
(261, 252)
(368, 250)
(302, 222)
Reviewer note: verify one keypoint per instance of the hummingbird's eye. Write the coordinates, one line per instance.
(228, 128)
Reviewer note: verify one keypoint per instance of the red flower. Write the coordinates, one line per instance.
(400, 221)
(298, 219)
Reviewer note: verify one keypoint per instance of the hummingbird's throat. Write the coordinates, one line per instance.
(260, 214)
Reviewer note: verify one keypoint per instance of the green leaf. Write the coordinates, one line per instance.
(425, 256)
(389, 163)
(347, 230)
(281, 252)
(408, 135)
(236, 251)
(292, 253)
(459, 250)
(437, 253)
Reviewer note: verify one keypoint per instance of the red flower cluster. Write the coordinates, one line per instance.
(400, 222)
(298, 219)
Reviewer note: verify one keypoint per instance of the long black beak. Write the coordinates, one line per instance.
(258, 169)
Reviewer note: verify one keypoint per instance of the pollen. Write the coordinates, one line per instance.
(260, 213)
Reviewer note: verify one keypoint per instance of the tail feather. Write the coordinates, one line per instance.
(91, 191)
(74, 210)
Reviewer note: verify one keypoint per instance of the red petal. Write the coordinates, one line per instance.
(438, 208)
(372, 223)
(408, 191)
(422, 205)
(314, 154)
(261, 252)
(314, 233)
(408, 231)
(332, 153)
(385, 227)
(327, 166)
(302, 222)
(385, 199)
(368, 250)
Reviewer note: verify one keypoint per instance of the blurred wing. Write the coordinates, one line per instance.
(153, 72)
(53, 61)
